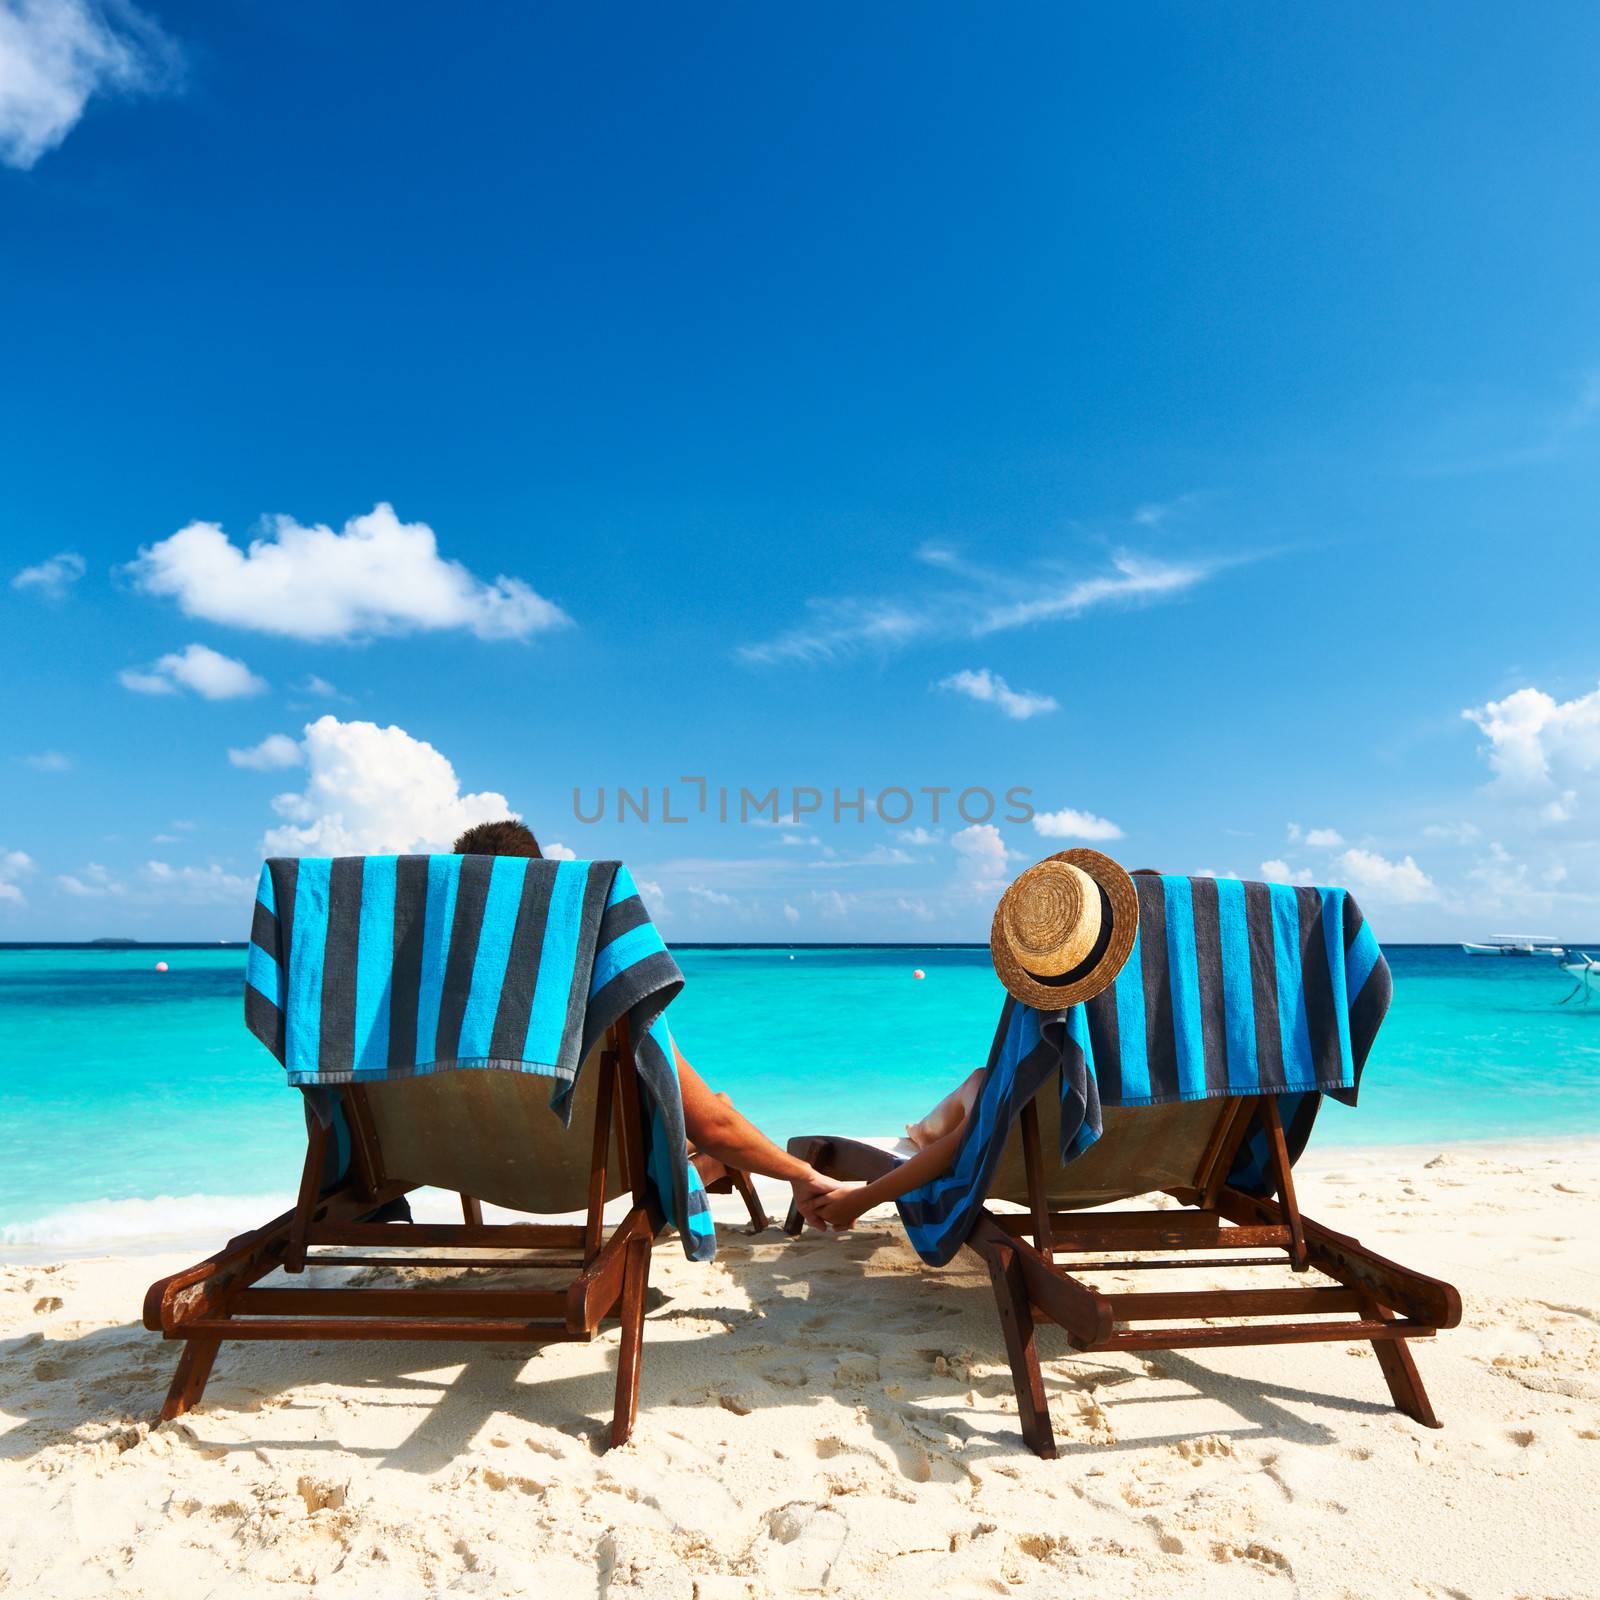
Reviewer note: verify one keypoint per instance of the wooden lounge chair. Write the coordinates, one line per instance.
(489, 1136)
(1185, 1149)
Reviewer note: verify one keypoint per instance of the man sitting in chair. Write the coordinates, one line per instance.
(711, 1121)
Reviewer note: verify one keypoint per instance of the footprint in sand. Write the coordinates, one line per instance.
(787, 1377)
(1166, 1541)
(806, 1541)
(1040, 1546)
(1207, 1446)
(1258, 1554)
(979, 1530)
(857, 1368)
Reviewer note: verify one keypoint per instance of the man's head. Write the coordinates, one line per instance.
(506, 838)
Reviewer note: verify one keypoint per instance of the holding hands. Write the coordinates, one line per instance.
(813, 1191)
(840, 1209)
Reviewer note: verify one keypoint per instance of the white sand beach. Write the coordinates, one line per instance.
(828, 1416)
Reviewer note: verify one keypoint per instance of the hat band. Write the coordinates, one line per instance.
(1096, 953)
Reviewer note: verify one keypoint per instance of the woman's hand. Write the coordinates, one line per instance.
(840, 1209)
(810, 1191)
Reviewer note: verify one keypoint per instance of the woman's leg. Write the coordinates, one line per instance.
(948, 1115)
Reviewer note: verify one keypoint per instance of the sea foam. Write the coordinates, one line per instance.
(147, 1224)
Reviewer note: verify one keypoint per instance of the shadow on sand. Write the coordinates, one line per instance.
(927, 1372)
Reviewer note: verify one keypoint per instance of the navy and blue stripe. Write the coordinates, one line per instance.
(1231, 989)
(366, 968)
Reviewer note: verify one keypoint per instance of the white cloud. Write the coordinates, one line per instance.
(14, 864)
(377, 576)
(1134, 578)
(984, 861)
(654, 897)
(95, 882)
(880, 855)
(556, 851)
(1069, 824)
(830, 903)
(987, 601)
(322, 688)
(52, 578)
(49, 761)
(375, 791)
(790, 914)
(197, 885)
(159, 882)
(920, 836)
(1215, 872)
(1316, 838)
(1276, 871)
(1157, 512)
(1402, 880)
(276, 750)
(1540, 747)
(56, 55)
(991, 689)
(840, 628)
(1453, 832)
(208, 672)
(711, 897)
(1504, 882)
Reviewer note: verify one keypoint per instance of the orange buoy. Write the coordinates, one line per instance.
(919, 973)
(161, 966)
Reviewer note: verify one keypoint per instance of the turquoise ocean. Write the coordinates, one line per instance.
(135, 1101)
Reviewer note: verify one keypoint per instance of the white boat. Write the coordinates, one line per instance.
(1580, 966)
(1516, 944)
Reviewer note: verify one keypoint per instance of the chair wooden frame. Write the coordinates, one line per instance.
(1391, 1304)
(218, 1299)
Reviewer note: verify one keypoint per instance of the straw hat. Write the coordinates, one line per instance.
(1063, 930)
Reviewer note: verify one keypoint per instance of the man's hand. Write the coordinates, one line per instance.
(809, 1193)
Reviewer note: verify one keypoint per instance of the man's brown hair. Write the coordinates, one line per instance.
(506, 838)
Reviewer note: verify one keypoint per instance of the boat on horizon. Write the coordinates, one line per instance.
(1515, 944)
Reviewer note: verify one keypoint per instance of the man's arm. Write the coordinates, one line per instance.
(715, 1125)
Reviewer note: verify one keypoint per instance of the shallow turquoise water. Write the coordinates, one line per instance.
(120, 1084)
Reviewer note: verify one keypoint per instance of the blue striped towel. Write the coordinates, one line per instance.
(1231, 989)
(367, 968)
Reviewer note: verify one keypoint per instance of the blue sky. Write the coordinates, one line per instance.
(1189, 415)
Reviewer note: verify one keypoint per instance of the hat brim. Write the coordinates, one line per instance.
(1120, 927)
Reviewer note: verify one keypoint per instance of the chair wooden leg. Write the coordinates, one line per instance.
(817, 1152)
(294, 1257)
(472, 1211)
(1399, 1369)
(752, 1201)
(189, 1381)
(1016, 1322)
(635, 1280)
